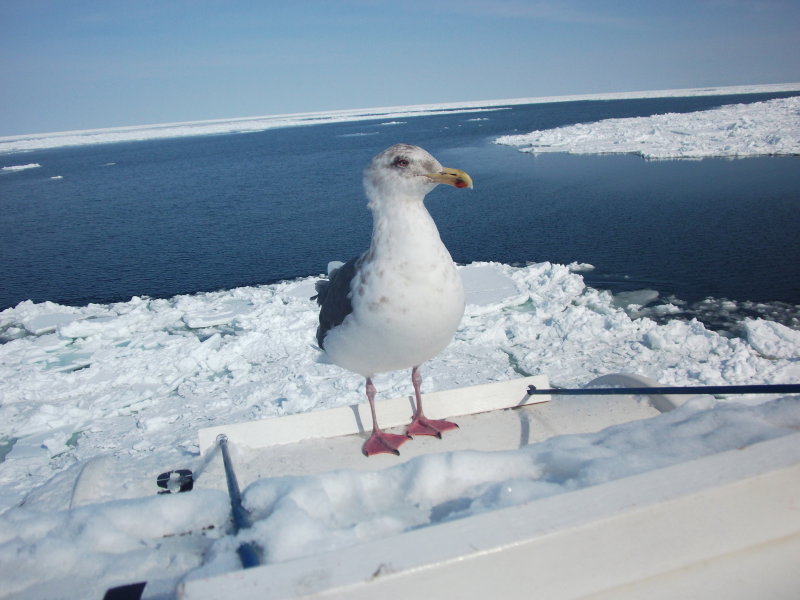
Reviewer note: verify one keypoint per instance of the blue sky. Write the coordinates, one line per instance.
(76, 64)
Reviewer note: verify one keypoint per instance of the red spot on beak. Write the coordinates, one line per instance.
(460, 183)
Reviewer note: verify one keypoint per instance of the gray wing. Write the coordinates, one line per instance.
(333, 297)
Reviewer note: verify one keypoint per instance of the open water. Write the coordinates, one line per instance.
(159, 218)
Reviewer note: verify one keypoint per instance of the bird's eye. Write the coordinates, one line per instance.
(401, 162)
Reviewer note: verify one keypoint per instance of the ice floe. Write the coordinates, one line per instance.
(16, 168)
(737, 130)
(100, 398)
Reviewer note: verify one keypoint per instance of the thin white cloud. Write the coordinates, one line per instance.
(544, 10)
(566, 12)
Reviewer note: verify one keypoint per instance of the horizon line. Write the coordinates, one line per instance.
(357, 114)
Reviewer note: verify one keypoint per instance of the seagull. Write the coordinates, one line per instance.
(400, 302)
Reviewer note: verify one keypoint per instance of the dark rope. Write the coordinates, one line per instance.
(716, 390)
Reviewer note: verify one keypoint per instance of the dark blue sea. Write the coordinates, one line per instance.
(164, 217)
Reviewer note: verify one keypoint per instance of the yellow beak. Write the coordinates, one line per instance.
(454, 177)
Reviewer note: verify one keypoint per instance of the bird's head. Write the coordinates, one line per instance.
(408, 171)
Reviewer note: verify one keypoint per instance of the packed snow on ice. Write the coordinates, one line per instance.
(733, 131)
(99, 399)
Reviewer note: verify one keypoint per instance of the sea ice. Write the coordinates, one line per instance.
(771, 339)
(760, 128)
(15, 168)
(24, 143)
(121, 390)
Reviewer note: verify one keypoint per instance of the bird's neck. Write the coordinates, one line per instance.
(404, 231)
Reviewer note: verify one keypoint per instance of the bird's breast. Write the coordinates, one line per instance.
(406, 296)
(403, 314)
(411, 299)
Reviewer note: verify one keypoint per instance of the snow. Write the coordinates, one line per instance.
(306, 515)
(99, 399)
(737, 130)
(771, 339)
(24, 143)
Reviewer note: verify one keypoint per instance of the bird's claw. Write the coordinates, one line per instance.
(421, 425)
(384, 443)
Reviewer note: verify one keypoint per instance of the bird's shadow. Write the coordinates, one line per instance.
(362, 430)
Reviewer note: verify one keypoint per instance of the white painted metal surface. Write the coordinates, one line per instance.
(727, 525)
(354, 419)
(495, 416)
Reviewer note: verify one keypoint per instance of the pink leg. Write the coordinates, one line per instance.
(380, 442)
(420, 424)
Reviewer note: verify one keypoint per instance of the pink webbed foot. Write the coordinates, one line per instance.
(384, 443)
(422, 425)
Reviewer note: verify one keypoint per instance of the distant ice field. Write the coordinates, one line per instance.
(38, 141)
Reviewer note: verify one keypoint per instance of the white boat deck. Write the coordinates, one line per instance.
(497, 416)
(727, 525)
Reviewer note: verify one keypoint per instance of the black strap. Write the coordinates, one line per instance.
(716, 390)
